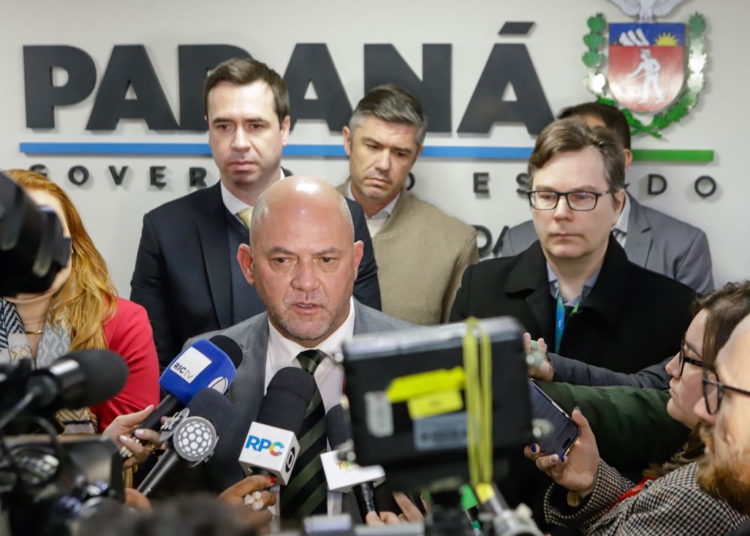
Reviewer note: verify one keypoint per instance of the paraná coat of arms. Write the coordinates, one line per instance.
(653, 68)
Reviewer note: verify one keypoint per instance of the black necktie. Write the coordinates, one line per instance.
(306, 493)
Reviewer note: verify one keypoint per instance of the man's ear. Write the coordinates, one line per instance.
(628, 157)
(347, 140)
(245, 258)
(286, 126)
(359, 251)
(620, 197)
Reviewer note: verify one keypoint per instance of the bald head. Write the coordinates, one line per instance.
(302, 195)
(302, 258)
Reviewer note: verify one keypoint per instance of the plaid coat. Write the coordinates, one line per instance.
(672, 504)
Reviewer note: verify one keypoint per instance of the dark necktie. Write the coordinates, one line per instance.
(307, 491)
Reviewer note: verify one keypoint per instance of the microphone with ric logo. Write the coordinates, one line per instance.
(205, 364)
(271, 446)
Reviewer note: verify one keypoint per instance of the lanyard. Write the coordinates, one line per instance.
(560, 320)
(631, 493)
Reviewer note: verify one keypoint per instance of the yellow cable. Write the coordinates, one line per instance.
(478, 402)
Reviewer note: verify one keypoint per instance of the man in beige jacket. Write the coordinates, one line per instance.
(421, 251)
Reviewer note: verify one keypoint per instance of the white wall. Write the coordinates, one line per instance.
(269, 31)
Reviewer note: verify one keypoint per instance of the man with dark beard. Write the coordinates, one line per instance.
(725, 471)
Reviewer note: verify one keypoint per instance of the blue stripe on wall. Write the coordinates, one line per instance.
(202, 149)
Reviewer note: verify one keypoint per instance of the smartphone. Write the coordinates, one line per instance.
(564, 431)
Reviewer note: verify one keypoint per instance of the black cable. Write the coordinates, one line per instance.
(16, 410)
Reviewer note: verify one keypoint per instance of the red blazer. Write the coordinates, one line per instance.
(129, 334)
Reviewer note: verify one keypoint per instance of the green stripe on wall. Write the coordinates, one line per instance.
(674, 155)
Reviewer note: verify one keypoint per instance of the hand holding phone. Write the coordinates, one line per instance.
(564, 432)
(577, 468)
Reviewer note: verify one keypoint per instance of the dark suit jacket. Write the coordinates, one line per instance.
(182, 274)
(633, 318)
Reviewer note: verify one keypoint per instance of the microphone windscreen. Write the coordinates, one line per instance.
(230, 347)
(202, 365)
(101, 375)
(289, 393)
(338, 428)
(215, 408)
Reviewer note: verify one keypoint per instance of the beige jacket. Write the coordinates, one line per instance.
(421, 254)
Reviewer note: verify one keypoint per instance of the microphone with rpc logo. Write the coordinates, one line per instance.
(204, 364)
(271, 447)
(191, 435)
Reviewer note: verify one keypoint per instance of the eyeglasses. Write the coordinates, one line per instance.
(685, 359)
(713, 391)
(580, 200)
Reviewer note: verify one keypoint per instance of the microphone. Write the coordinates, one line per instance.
(191, 435)
(271, 446)
(80, 379)
(344, 475)
(204, 364)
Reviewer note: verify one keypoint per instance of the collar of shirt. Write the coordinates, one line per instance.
(328, 376)
(554, 287)
(232, 203)
(384, 213)
(620, 228)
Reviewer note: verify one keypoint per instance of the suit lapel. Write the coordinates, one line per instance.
(640, 238)
(212, 230)
(530, 275)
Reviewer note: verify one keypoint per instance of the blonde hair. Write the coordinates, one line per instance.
(88, 298)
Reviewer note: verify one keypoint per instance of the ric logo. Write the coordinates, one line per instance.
(259, 445)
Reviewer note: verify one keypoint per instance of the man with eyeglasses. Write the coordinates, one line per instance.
(650, 238)
(724, 409)
(575, 288)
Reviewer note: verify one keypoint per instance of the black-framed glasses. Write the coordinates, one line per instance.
(685, 359)
(713, 391)
(580, 200)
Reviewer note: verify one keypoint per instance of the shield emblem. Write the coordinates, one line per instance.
(646, 65)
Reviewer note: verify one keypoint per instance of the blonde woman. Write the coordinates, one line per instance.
(80, 311)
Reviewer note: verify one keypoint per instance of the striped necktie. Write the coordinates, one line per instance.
(307, 491)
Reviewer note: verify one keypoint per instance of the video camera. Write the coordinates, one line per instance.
(32, 247)
(45, 482)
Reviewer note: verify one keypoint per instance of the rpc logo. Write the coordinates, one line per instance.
(259, 445)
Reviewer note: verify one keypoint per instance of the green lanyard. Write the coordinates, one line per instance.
(560, 320)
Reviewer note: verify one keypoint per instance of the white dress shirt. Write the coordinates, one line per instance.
(232, 203)
(376, 222)
(329, 377)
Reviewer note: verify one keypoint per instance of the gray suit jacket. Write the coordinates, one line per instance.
(657, 242)
(247, 390)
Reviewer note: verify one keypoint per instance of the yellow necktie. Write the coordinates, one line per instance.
(246, 216)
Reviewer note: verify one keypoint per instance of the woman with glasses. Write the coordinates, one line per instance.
(80, 311)
(591, 496)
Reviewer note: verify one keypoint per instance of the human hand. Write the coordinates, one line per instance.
(257, 502)
(121, 432)
(577, 470)
(409, 513)
(137, 500)
(540, 367)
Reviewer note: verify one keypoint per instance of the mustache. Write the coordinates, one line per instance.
(314, 298)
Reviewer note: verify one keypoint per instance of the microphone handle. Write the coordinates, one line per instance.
(165, 464)
(168, 406)
(365, 495)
